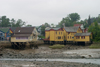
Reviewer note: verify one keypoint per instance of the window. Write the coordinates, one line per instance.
(59, 37)
(77, 37)
(82, 37)
(59, 32)
(34, 36)
(70, 37)
(56, 32)
(68, 33)
(62, 37)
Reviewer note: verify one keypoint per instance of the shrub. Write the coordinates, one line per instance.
(95, 46)
(56, 46)
(43, 37)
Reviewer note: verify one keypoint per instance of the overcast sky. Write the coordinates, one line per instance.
(37, 12)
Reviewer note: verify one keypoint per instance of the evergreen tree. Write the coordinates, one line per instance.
(43, 30)
(89, 21)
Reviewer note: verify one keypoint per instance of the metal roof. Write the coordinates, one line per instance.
(52, 28)
(71, 29)
(82, 34)
(4, 29)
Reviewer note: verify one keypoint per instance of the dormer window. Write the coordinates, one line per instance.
(19, 31)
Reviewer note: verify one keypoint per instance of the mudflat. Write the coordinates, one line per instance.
(44, 51)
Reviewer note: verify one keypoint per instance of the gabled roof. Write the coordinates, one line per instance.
(75, 25)
(52, 28)
(82, 34)
(71, 29)
(24, 30)
(13, 28)
(4, 29)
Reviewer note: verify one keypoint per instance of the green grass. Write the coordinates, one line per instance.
(56, 46)
(95, 46)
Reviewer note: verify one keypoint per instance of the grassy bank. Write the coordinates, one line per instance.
(56, 46)
(95, 46)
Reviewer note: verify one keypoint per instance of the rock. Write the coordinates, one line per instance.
(1, 54)
(83, 57)
(90, 56)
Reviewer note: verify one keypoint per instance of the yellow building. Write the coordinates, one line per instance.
(67, 34)
(54, 34)
(82, 37)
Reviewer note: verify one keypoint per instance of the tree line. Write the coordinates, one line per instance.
(73, 18)
(6, 22)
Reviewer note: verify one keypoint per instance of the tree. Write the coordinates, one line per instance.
(95, 29)
(19, 23)
(28, 25)
(74, 17)
(65, 21)
(89, 21)
(85, 23)
(43, 30)
(97, 19)
(4, 21)
(13, 22)
(52, 25)
(47, 25)
(70, 20)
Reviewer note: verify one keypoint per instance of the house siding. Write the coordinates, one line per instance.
(30, 37)
(87, 38)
